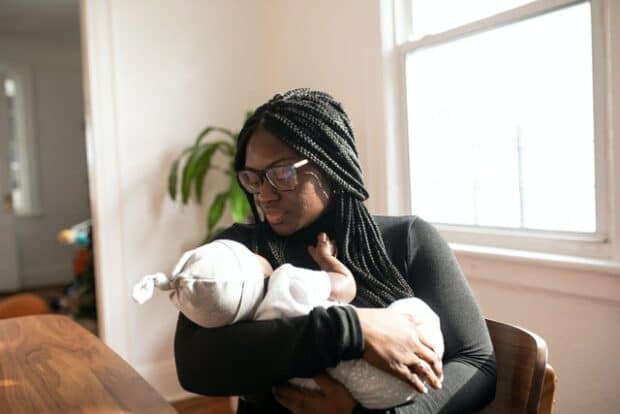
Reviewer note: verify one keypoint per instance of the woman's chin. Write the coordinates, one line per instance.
(283, 228)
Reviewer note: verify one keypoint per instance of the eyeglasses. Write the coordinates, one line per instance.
(281, 177)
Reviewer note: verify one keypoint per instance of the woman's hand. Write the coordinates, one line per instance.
(392, 343)
(333, 398)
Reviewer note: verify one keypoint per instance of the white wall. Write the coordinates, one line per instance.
(333, 46)
(158, 72)
(56, 78)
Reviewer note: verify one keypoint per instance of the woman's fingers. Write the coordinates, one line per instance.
(393, 344)
(405, 374)
(435, 362)
(428, 366)
(424, 371)
(418, 384)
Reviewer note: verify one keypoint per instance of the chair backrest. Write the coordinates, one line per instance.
(521, 363)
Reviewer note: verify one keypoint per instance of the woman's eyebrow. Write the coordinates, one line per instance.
(273, 163)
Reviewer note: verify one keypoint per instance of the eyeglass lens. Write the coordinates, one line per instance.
(283, 178)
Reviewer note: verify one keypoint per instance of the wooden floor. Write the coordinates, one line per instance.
(56, 293)
(206, 405)
(46, 292)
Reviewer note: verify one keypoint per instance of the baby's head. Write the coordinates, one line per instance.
(221, 257)
(219, 283)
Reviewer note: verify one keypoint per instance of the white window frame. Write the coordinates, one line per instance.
(598, 245)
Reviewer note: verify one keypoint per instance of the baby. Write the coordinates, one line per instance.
(223, 282)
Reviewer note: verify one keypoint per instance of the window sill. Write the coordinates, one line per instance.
(554, 274)
(537, 258)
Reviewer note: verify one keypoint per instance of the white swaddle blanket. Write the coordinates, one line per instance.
(295, 291)
(222, 282)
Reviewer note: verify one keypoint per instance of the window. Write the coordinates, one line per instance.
(505, 147)
(22, 169)
(14, 164)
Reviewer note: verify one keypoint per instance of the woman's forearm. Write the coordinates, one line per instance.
(250, 357)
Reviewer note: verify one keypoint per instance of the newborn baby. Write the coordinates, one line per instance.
(223, 282)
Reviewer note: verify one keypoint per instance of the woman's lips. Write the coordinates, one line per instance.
(274, 217)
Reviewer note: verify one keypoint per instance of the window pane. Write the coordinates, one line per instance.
(14, 164)
(434, 16)
(501, 126)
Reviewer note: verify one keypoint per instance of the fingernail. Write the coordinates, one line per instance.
(425, 390)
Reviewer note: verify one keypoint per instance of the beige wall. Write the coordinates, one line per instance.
(577, 312)
(333, 46)
(158, 72)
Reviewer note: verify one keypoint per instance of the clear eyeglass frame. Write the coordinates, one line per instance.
(252, 181)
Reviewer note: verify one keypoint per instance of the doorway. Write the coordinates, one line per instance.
(43, 169)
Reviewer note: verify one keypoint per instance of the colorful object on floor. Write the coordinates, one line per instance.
(81, 291)
(78, 234)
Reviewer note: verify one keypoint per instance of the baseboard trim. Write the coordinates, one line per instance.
(163, 377)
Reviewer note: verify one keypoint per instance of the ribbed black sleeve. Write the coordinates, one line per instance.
(433, 272)
(251, 357)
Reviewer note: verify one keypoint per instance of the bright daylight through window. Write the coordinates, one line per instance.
(500, 121)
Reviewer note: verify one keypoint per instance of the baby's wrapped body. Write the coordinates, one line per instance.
(295, 291)
(223, 282)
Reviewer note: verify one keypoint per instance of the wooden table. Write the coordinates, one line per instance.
(50, 364)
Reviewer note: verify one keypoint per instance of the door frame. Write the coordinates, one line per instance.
(102, 148)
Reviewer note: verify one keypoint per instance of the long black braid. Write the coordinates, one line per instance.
(316, 126)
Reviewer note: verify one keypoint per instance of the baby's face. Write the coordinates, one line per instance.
(264, 264)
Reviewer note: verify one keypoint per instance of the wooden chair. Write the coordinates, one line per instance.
(525, 381)
(23, 304)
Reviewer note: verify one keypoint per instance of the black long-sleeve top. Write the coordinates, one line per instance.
(248, 358)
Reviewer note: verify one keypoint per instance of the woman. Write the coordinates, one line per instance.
(298, 163)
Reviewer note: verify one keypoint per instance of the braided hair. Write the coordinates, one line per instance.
(316, 126)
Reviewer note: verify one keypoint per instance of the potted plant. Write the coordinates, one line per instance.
(194, 164)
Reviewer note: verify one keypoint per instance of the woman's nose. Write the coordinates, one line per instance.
(267, 192)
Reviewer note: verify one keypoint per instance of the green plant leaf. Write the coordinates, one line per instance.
(189, 171)
(202, 135)
(210, 129)
(191, 168)
(202, 168)
(173, 178)
(239, 206)
(229, 149)
(226, 132)
(216, 210)
(196, 162)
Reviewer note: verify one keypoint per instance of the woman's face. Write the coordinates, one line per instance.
(286, 211)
